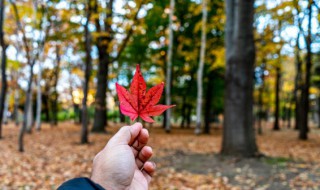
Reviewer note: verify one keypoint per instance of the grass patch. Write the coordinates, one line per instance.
(279, 161)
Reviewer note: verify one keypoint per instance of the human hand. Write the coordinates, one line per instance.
(123, 162)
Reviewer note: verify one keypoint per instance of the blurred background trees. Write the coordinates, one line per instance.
(61, 60)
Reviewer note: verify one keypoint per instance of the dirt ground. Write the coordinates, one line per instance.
(184, 161)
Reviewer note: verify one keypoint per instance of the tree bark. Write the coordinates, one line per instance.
(318, 111)
(16, 107)
(103, 45)
(208, 106)
(303, 135)
(85, 118)
(297, 88)
(277, 101)
(169, 67)
(183, 111)
(238, 133)
(260, 100)
(3, 64)
(201, 65)
(26, 106)
(189, 111)
(55, 95)
(30, 62)
(39, 98)
(46, 108)
(100, 113)
(30, 116)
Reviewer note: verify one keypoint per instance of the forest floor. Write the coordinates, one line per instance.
(184, 161)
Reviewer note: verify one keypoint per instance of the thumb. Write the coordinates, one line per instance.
(126, 135)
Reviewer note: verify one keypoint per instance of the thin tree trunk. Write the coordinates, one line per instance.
(260, 102)
(39, 98)
(3, 64)
(30, 63)
(277, 101)
(164, 121)
(30, 116)
(189, 108)
(238, 134)
(85, 118)
(208, 107)
(298, 79)
(201, 64)
(276, 126)
(186, 113)
(297, 88)
(16, 105)
(55, 95)
(46, 110)
(303, 135)
(26, 106)
(183, 111)
(169, 67)
(319, 111)
(289, 116)
(39, 78)
(6, 110)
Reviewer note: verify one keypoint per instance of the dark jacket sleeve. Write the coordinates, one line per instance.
(80, 184)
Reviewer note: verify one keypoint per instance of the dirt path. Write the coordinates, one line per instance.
(261, 173)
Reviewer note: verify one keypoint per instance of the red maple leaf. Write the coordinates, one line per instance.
(139, 101)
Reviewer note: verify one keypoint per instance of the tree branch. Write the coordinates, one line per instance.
(129, 34)
(42, 43)
(19, 25)
(2, 42)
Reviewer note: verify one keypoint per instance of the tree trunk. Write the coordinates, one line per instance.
(6, 110)
(238, 133)
(26, 106)
(303, 135)
(103, 43)
(291, 101)
(39, 98)
(189, 108)
(16, 107)
(46, 105)
(164, 121)
(319, 111)
(169, 67)
(84, 130)
(297, 88)
(277, 101)
(208, 107)
(3, 64)
(183, 111)
(185, 104)
(55, 95)
(260, 101)
(100, 113)
(30, 117)
(201, 64)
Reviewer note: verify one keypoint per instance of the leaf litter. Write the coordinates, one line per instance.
(184, 161)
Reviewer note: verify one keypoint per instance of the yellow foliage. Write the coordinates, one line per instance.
(220, 58)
